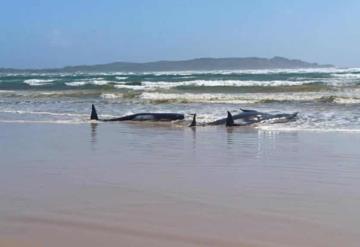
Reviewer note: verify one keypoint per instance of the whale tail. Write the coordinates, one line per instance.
(229, 120)
(94, 115)
(193, 123)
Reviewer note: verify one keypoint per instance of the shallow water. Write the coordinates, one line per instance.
(326, 99)
(163, 185)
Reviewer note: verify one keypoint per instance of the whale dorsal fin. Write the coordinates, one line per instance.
(94, 115)
(229, 120)
(193, 123)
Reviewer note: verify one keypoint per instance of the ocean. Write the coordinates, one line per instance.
(68, 181)
(327, 99)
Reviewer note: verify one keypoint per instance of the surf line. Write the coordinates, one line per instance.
(245, 118)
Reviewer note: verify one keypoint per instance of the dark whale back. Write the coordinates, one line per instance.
(139, 116)
(249, 117)
(243, 115)
(149, 117)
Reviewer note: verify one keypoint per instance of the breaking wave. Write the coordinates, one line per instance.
(223, 83)
(249, 98)
(98, 82)
(327, 99)
(121, 77)
(38, 82)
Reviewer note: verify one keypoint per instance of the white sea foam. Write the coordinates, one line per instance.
(112, 95)
(252, 98)
(347, 75)
(99, 82)
(45, 121)
(196, 98)
(153, 85)
(7, 91)
(76, 83)
(226, 83)
(133, 87)
(44, 113)
(38, 82)
(121, 77)
(346, 100)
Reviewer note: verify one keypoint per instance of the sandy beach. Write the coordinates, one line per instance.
(179, 123)
(147, 185)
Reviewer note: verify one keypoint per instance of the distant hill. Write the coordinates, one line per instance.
(192, 64)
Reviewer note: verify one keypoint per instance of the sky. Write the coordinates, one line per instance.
(56, 33)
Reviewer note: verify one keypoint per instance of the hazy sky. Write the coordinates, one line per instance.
(43, 33)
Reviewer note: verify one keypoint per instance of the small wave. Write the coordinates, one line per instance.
(38, 82)
(76, 83)
(112, 95)
(132, 87)
(45, 121)
(339, 99)
(87, 82)
(128, 95)
(246, 98)
(100, 82)
(50, 94)
(166, 85)
(327, 99)
(343, 100)
(195, 98)
(347, 75)
(44, 113)
(121, 77)
(305, 128)
(7, 91)
(224, 83)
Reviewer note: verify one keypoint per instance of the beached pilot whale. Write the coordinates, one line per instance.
(249, 117)
(257, 117)
(139, 116)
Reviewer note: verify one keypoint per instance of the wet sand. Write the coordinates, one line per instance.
(113, 184)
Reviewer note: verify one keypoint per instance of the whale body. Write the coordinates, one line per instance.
(139, 116)
(249, 117)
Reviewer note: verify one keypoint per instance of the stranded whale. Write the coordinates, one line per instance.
(249, 117)
(139, 116)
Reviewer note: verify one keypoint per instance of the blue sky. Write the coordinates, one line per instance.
(42, 33)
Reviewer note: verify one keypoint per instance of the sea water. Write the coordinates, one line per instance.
(326, 98)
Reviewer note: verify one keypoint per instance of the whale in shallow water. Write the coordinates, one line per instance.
(139, 116)
(249, 117)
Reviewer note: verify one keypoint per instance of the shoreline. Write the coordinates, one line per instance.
(267, 128)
